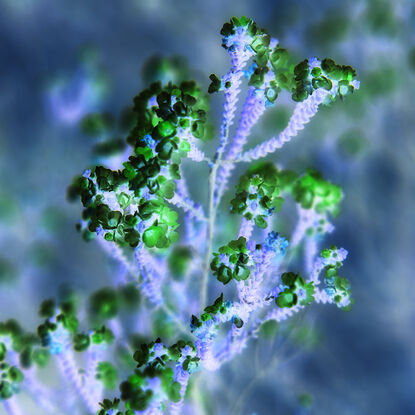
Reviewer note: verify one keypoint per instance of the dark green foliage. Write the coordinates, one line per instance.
(323, 76)
(104, 303)
(23, 343)
(108, 405)
(257, 194)
(269, 329)
(166, 69)
(47, 308)
(81, 342)
(134, 396)
(155, 360)
(232, 261)
(305, 400)
(353, 143)
(312, 191)
(6, 390)
(330, 30)
(8, 271)
(265, 58)
(337, 287)
(295, 291)
(129, 296)
(96, 125)
(10, 378)
(11, 327)
(382, 81)
(3, 351)
(68, 321)
(41, 357)
(109, 147)
(102, 335)
(228, 28)
(215, 85)
(107, 374)
(238, 322)
(381, 17)
(178, 261)
(129, 207)
(257, 78)
(411, 59)
(209, 312)
(15, 374)
(148, 176)
(43, 332)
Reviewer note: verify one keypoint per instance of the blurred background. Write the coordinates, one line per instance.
(63, 60)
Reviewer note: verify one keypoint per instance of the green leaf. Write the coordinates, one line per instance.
(6, 390)
(166, 129)
(224, 275)
(41, 357)
(96, 125)
(241, 272)
(261, 222)
(81, 342)
(104, 303)
(107, 374)
(168, 216)
(152, 236)
(215, 84)
(123, 200)
(286, 299)
(174, 392)
(47, 308)
(3, 351)
(238, 322)
(15, 374)
(167, 189)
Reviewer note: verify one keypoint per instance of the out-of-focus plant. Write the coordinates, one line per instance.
(174, 281)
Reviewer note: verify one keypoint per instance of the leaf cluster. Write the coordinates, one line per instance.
(296, 291)
(231, 262)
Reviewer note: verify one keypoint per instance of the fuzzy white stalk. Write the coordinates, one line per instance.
(321, 297)
(195, 153)
(205, 353)
(151, 280)
(181, 376)
(40, 394)
(69, 370)
(94, 356)
(246, 228)
(239, 54)
(115, 252)
(188, 205)
(11, 406)
(302, 114)
(320, 263)
(311, 247)
(252, 110)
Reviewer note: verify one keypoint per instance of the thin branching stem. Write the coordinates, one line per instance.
(211, 229)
